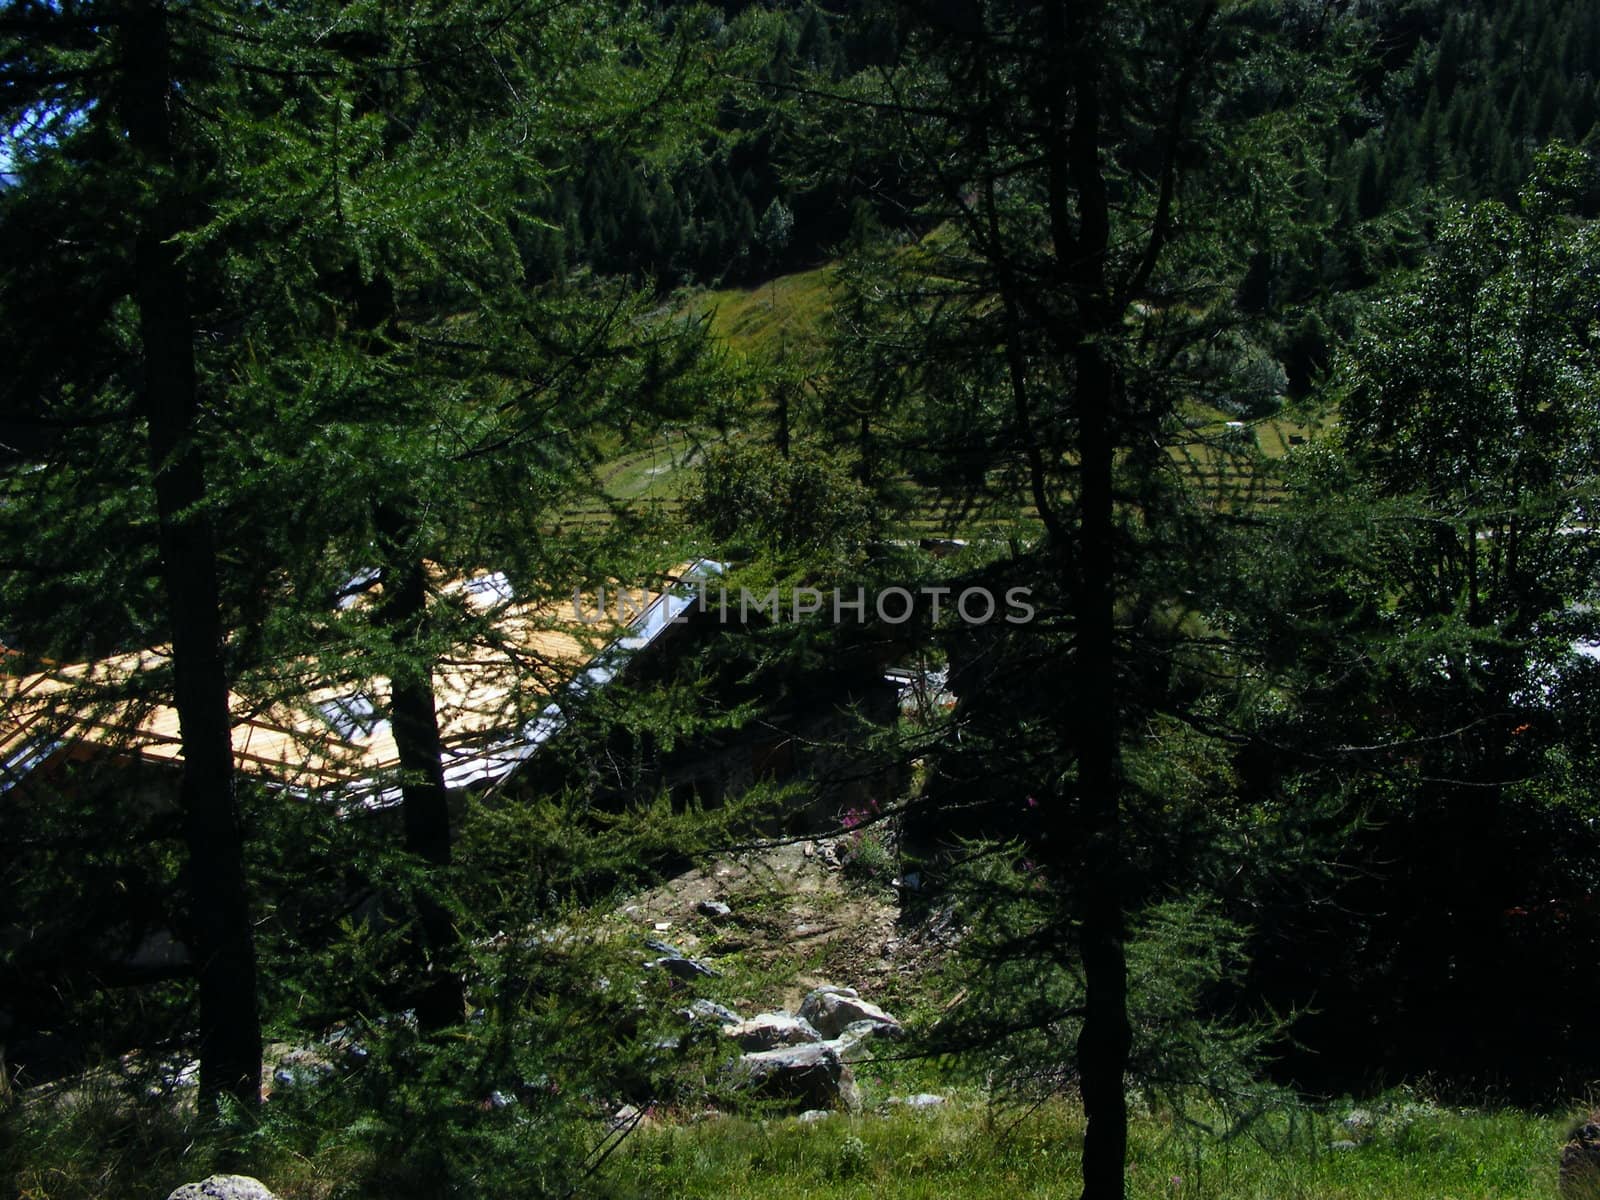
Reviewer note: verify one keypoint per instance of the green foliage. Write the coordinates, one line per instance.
(386, 395)
(514, 1099)
(1415, 1151)
(1021, 993)
(400, 226)
(1427, 657)
(790, 507)
(867, 857)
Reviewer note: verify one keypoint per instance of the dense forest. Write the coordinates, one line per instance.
(558, 562)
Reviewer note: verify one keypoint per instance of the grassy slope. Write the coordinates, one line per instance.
(1425, 1154)
(962, 1152)
(785, 315)
(758, 322)
(786, 311)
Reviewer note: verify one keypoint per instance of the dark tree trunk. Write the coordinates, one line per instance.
(1106, 1038)
(780, 414)
(1075, 171)
(414, 718)
(230, 1029)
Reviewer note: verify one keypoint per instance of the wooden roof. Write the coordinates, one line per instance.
(495, 699)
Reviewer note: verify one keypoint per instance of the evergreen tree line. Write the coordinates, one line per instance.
(728, 213)
(1455, 101)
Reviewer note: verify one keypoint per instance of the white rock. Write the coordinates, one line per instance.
(832, 1010)
(710, 1010)
(223, 1187)
(768, 1031)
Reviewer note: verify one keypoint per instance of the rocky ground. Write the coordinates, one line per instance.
(797, 917)
(801, 953)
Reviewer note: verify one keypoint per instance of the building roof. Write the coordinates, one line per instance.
(333, 738)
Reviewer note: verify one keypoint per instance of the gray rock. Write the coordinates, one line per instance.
(172, 1074)
(710, 1010)
(715, 909)
(682, 968)
(832, 1010)
(812, 1076)
(296, 1065)
(1342, 1144)
(829, 989)
(850, 1052)
(223, 1187)
(853, 1042)
(812, 1115)
(768, 1031)
(858, 1030)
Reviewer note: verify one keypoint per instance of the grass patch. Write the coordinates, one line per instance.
(660, 471)
(971, 1152)
(787, 311)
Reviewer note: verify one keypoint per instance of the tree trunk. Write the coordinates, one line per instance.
(780, 414)
(230, 1029)
(414, 718)
(1106, 1038)
(1075, 172)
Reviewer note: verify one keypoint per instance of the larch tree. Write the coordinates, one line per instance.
(1097, 177)
(281, 245)
(443, 407)
(96, 87)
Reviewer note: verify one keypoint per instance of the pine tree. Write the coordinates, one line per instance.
(330, 195)
(1044, 292)
(465, 402)
(109, 75)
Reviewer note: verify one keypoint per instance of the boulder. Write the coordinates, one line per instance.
(715, 909)
(628, 1117)
(812, 1076)
(686, 969)
(832, 1010)
(1580, 1161)
(768, 1031)
(710, 1010)
(852, 1042)
(223, 1187)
